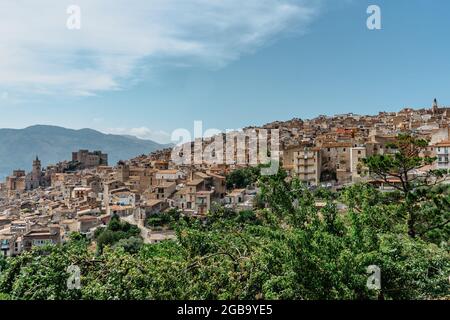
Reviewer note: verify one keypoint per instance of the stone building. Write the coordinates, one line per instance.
(41, 237)
(16, 183)
(87, 159)
(357, 169)
(35, 179)
(123, 172)
(335, 163)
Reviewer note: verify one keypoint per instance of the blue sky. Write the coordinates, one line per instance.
(149, 69)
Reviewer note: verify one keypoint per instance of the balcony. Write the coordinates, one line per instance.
(305, 163)
(443, 165)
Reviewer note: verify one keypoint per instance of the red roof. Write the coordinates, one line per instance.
(445, 143)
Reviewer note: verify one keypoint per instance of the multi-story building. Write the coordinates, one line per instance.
(442, 151)
(335, 164)
(203, 201)
(123, 172)
(169, 175)
(306, 165)
(41, 237)
(163, 190)
(16, 183)
(357, 154)
(10, 244)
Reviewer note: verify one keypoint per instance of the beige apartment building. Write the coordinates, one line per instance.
(303, 163)
(307, 163)
(442, 152)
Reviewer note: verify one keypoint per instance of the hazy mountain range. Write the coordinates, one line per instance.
(18, 147)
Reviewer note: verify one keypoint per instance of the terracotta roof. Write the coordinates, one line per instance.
(445, 143)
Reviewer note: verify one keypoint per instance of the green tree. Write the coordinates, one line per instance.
(409, 155)
(243, 177)
(290, 249)
(114, 232)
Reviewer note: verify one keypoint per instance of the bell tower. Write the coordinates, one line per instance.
(36, 173)
(435, 107)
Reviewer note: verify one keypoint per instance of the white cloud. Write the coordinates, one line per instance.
(118, 39)
(143, 133)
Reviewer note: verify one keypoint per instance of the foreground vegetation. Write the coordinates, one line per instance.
(289, 248)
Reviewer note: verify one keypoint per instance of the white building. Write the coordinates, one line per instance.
(169, 175)
(442, 151)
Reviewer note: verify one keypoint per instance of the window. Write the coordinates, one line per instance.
(359, 151)
(41, 242)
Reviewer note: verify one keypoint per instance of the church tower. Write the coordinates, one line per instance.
(435, 107)
(36, 173)
(123, 172)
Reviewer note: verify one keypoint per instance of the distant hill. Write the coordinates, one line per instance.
(18, 147)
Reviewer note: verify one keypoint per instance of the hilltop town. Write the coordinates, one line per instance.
(82, 194)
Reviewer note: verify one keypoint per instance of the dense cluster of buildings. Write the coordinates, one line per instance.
(330, 149)
(46, 205)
